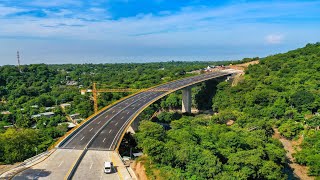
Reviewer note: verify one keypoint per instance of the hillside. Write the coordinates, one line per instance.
(284, 90)
(281, 91)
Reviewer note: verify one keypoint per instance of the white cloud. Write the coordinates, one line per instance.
(274, 38)
(226, 29)
(236, 20)
(54, 3)
(4, 11)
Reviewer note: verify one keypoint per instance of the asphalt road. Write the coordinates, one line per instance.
(92, 166)
(104, 131)
(55, 167)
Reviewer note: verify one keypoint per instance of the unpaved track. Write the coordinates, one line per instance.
(299, 170)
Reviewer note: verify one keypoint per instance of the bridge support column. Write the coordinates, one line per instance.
(186, 100)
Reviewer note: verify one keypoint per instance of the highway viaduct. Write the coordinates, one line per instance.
(82, 153)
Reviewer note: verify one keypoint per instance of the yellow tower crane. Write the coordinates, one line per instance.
(95, 92)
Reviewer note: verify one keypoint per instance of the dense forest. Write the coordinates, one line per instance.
(27, 96)
(282, 91)
(199, 148)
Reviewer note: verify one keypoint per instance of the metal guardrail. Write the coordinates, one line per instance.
(78, 161)
(77, 130)
(92, 117)
(32, 158)
(166, 93)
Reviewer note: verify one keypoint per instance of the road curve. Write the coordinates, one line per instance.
(104, 131)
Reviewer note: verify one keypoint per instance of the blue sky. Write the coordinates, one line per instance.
(103, 31)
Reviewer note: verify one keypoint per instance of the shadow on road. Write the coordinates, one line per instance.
(115, 169)
(32, 174)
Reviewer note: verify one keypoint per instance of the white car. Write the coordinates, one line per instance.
(108, 167)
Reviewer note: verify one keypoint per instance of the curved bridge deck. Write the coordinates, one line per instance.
(104, 131)
(81, 154)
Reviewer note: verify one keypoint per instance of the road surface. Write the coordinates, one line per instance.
(55, 167)
(105, 130)
(102, 134)
(92, 166)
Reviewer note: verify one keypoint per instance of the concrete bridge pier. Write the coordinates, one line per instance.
(186, 100)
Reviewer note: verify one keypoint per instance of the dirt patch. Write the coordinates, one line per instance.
(139, 170)
(237, 79)
(230, 123)
(243, 66)
(291, 147)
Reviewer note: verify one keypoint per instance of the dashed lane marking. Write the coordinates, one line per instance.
(60, 164)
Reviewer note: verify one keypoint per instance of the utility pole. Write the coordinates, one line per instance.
(18, 58)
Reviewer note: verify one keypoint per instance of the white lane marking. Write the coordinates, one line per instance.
(82, 138)
(128, 112)
(107, 116)
(113, 111)
(107, 122)
(133, 107)
(122, 117)
(60, 164)
(71, 149)
(91, 165)
(104, 139)
(67, 142)
(99, 122)
(90, 129)
(110, 131)
(116, 123)
(122, 127)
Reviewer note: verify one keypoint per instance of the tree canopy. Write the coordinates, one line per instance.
(282, 91)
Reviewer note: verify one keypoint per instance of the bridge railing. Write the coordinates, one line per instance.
(154, 100)
(77, 128)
